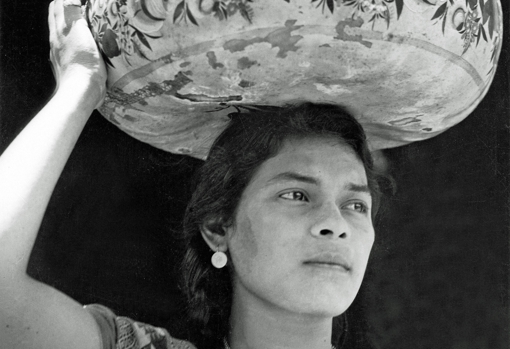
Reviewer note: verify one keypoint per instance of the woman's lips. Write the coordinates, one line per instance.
(329, 260)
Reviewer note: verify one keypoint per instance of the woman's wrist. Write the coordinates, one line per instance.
(82, 87)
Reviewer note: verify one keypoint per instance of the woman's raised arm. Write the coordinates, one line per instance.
(34, 315)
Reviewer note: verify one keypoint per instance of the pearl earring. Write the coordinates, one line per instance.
(219, 259)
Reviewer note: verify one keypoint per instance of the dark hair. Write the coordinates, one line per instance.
(250, 139)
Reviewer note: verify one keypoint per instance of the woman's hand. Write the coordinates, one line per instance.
(73, 51)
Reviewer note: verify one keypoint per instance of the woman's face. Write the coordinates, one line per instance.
(303, 231)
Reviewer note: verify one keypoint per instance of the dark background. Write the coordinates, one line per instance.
(439, 273)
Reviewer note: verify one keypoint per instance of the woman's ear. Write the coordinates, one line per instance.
(215, 235)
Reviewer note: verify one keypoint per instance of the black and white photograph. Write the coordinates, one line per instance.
(254, 174)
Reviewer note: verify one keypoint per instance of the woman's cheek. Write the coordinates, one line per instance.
(244, 247)
(262, 236)
(365, 247)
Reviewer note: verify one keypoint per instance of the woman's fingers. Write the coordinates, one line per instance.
(72, 3)
(66, 14)
(64, 8)
(51, 22)
(74, 53)
(53, 40)
(58, 10)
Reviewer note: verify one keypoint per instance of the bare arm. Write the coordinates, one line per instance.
(34, 315)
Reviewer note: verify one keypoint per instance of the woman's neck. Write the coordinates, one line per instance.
(256, 324)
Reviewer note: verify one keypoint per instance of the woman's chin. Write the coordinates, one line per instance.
(327, 302)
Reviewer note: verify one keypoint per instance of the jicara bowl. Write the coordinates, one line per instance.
(407, 69)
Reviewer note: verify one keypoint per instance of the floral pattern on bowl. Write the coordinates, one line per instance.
(123, 26)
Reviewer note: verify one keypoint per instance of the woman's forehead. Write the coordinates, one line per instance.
(314, 143)
(318, 157)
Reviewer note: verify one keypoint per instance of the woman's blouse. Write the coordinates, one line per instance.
(119, 332)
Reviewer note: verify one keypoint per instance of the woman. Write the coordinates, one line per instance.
(278, 231)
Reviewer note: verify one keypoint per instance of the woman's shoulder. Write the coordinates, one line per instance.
(118, 332)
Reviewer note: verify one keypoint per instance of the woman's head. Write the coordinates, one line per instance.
(289, 194)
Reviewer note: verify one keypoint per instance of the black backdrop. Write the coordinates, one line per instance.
(438, 276)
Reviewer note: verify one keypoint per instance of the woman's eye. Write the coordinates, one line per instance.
(358, 207)
(294, 195)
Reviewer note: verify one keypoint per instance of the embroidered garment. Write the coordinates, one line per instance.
(119, 332)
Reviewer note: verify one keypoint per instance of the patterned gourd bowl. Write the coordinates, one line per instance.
(407, 69)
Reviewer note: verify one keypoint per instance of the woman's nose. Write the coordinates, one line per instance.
(329, 223)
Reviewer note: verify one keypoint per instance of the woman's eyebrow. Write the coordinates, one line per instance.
(293, 176)
(360, 188)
